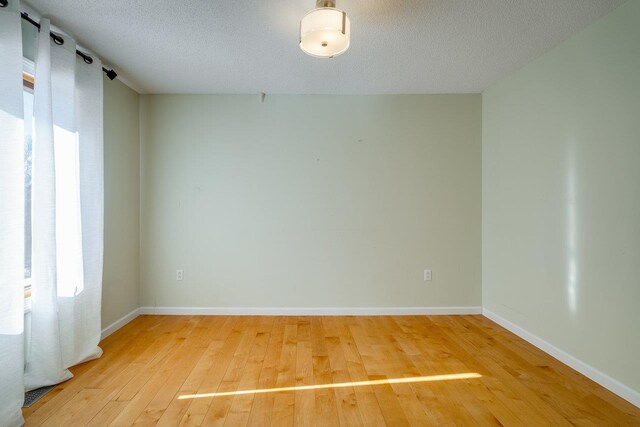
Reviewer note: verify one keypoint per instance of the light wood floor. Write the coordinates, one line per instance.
(413, 370)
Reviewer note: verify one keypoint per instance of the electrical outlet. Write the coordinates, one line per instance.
(427, 275)
(179, 274)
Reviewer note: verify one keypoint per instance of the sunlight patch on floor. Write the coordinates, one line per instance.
(463, 376)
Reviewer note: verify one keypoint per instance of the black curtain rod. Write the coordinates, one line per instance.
(60, 41)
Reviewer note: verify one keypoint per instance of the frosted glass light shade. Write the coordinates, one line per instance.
(324, 32)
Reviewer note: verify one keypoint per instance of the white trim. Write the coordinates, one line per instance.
(585, 369)
(119, 323)
(310, 311)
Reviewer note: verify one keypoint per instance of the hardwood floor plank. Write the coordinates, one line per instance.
(181, 356)
(304, 403)
(348, 411)
(230, 382)
(173, 414)
(487, 389)
(553, 380)
(303, 371)
(108, 413)
(95, 375)
(409, 394)
(365, 395)
(283, 413)
(169, 390)
(262, 407)
(199, 407)
(370, 346)
(240, 409)
(444, 401)
(326, 412)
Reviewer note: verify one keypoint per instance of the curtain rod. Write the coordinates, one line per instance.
(60, 41)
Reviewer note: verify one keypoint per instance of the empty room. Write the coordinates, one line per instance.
(319, 213)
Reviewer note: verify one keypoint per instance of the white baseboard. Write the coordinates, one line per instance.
(585, 369)
(310, 311)
(119, 323)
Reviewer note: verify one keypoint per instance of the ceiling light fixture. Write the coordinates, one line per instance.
(324, 32)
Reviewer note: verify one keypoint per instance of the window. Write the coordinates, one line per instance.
(68, 225)
(28, 85)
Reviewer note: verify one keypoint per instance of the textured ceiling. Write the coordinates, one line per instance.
(250, 46)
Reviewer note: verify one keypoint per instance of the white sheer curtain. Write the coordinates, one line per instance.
(67, 214)
(67, 211)
(11, 217)
(44, 366)
(85, 313)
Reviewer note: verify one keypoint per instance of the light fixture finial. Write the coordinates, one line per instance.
(325, 3)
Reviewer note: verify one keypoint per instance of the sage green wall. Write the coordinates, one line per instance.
(120, 289)
(561, 196)
(310, 201)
